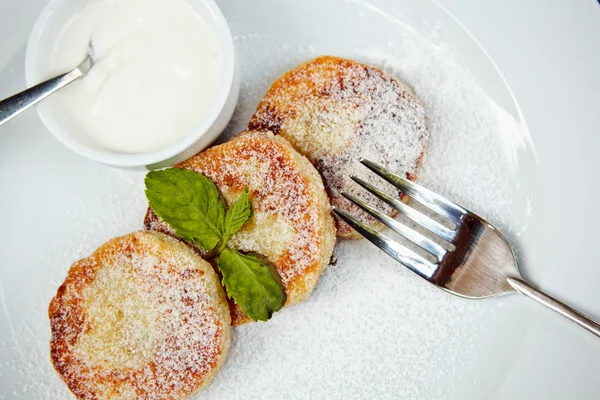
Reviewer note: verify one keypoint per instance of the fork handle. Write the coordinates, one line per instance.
(526, 289)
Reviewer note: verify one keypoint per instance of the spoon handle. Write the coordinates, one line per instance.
(16, 104)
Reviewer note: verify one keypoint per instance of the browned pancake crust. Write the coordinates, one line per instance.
(180, 344)
(292, 224)
(334, 111)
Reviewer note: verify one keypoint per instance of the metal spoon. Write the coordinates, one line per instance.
(16, 104)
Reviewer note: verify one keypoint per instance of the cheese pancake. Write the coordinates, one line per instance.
(291, 224)
(335, 111)
(144, 317)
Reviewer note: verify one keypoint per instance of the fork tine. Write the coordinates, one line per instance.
(426, 244)
(434, 201)
(407, 257)
(421, 219)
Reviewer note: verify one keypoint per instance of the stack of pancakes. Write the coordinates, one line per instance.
(146, 317)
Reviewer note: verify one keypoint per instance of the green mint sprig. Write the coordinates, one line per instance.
(255, 282)
(237, 215)
(191, 204)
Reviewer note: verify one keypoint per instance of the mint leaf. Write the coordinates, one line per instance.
(237, 215)
(253, 283)
(190, 203)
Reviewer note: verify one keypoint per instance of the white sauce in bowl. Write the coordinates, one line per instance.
(156, 73)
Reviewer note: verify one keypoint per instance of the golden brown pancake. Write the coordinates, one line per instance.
(144, 317)
(335, 111)
(292, 224)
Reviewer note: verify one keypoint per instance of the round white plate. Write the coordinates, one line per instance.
(371, 329)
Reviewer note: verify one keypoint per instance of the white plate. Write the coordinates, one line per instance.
(371, 329)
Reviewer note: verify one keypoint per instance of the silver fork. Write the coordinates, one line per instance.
(482, 263)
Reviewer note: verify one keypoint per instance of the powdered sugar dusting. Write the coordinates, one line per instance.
(461, 130)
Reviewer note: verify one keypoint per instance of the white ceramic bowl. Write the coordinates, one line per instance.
(55, 15)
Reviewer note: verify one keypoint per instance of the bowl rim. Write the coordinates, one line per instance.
(32, 77)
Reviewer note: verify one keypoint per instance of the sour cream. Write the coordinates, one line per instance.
(156, 72)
